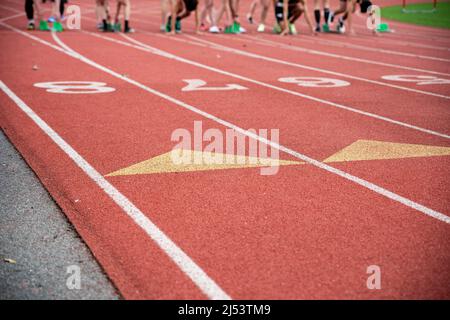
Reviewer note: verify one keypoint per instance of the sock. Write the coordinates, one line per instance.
(345, 16)
(317, 16)
(105, 24)
(127, 26)
(326, 14)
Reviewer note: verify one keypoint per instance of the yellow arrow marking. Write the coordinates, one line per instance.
(357, 151)
(380, 150)
(164, 163)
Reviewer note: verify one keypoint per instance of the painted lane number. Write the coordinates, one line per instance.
(419, 80)
(200, 85)
(315, 82)
(75, 87)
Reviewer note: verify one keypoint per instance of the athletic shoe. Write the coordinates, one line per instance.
(169, 24)
(31, 26)
(129, 30)
(261, 27)
(340, 27)
(51, 19)
(237, 28)
(57, 26)
(203, 27)
(106, 27)
(214, 29)
(229, 29)
(277, 28)
(100, 26)
(162, 28)
(43, 26)
(117, 27)
(292, 29)
(250, 18)
(317, 28)
(178, 26)
(326, 28)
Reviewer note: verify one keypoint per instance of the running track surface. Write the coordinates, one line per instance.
(311, 230)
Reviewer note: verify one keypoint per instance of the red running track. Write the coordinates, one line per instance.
(310, 231)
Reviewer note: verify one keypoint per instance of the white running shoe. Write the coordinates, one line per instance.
(261, 27)
(242, 30)
(214, 29)
(340, 28)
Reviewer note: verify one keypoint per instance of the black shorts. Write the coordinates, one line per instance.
(279, 13)
(365, 5)
(191, 5)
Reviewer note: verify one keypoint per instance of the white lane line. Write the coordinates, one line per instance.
(176, 254)
(11, 9)
(255, 38)
(366, 184)
(319, 164)
(144, 47)
(13, 16)
(301, 66)
(340, 44)
(342, 57)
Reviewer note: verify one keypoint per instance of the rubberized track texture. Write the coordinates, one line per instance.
(363, 141)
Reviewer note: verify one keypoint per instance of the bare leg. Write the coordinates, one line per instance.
(264, 10)
(225, 8)
(116, 16)
(207, 12)
(164, 11)
(127, 11)
(251, 12)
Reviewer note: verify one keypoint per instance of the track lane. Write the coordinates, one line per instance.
(266, 72)
(313, 246)
(280, 265)
(135, 264)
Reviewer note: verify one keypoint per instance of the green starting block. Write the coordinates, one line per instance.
(383, 27)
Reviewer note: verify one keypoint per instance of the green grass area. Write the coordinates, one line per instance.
(439, 19)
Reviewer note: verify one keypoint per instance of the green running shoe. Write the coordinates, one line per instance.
(277, 28)
(57, 26)
(43, 26)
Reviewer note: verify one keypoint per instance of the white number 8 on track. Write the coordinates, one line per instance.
(75, 87)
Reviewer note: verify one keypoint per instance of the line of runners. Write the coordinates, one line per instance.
(209, 18)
